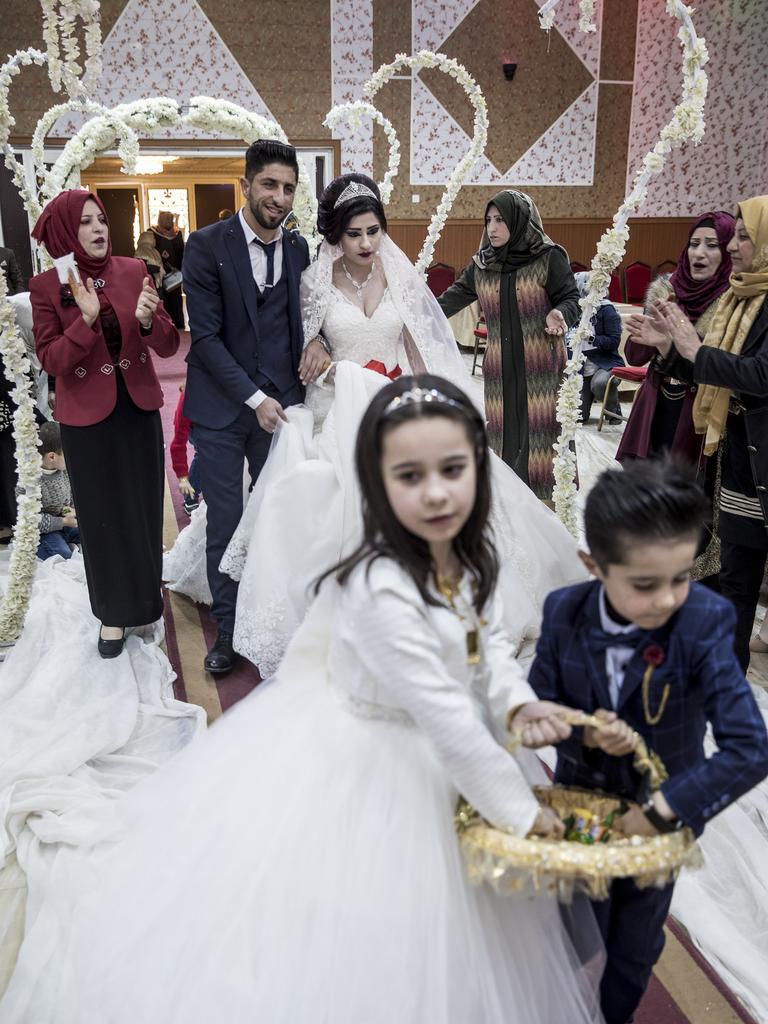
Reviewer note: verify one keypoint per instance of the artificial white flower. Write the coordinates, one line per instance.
(26, 536)
(686, 124)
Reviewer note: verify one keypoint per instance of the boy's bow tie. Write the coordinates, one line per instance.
(600, 640)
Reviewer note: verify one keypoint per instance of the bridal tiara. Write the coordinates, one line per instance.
(354, 190)
(420, 396)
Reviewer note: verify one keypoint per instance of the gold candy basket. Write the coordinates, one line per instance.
(563, 866)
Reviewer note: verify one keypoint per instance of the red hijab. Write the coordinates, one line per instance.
(58, 225)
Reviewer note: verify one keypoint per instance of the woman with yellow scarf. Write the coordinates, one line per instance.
(731, 406)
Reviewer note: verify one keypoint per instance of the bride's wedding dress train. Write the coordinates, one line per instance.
(76, 732)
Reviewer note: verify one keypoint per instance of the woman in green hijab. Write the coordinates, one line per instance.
(528, 295)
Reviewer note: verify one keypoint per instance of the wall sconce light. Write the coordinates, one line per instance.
(509, 69)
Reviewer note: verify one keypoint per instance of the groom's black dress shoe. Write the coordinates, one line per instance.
(221, 657)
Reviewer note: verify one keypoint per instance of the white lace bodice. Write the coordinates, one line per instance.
(353, 336)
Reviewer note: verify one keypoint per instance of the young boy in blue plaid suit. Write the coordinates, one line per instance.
(646, 650)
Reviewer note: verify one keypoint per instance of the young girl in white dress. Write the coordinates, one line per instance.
(299, 865)
(378, 319)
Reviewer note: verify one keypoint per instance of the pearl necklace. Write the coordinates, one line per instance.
(359, 288)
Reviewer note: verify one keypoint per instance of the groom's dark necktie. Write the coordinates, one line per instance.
(269, 250)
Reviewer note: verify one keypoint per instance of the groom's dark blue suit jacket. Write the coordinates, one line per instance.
(706, 685)
(223, 361)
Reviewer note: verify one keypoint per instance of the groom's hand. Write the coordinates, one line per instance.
(269, 414)
(314, 359)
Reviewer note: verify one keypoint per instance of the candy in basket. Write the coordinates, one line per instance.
(592, 854)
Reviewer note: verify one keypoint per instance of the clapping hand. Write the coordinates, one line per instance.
(86, 298)
(70, 519)
(668, 317)
(642, 330)
(555, 323)
(147, 304)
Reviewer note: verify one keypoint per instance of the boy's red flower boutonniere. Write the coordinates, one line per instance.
(653, 656)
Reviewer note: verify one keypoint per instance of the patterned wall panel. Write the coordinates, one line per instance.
(351, 67)
(138, 61)
(542, 125)
(561, 129)
(731, 161)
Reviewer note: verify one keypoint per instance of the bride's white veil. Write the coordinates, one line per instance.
(428, 341)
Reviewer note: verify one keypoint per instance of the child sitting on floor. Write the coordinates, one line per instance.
(58, 522)
(649, 652)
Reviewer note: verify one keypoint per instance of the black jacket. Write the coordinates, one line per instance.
(10, 268)
(747, 377)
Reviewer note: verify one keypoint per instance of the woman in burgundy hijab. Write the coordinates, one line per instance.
(94, 335)
(661, 418)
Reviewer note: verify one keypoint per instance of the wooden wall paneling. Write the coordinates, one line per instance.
(651, 240)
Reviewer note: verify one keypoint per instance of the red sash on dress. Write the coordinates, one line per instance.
(379, 367)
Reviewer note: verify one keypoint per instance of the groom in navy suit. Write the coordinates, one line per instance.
(648, 652)
(247, 361)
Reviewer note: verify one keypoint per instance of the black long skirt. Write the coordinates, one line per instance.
(117, 475)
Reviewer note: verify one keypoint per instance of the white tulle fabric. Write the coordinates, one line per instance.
(303, 516)
(724, 905)
(76, 731)
(303, 513)
(300, 864)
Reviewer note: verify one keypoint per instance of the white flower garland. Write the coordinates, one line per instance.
(687, 123)
(353, 114)
(26, 535)
(586, 15)
(59, 17)
(217, 115)
(428, 59)
(11, 68)
(122, 123)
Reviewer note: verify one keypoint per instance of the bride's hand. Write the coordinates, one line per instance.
(314, 360)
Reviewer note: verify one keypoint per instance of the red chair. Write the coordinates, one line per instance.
(630, 375)
(665, 267)
(577, 268)
(637, 277)
(481, 342)
(615, 291)
(440, 277)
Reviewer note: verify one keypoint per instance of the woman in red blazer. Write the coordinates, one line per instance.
(94, 336)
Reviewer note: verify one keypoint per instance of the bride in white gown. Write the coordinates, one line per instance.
(299, 865)
(377, 318)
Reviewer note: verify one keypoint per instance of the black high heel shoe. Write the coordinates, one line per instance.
(110, 648)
